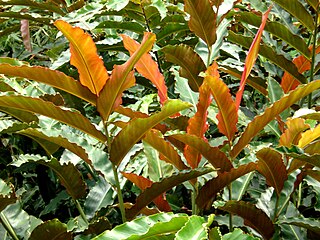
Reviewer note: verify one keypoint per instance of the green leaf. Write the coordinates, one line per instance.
(48, 109)
(193, 229)
(117, 5)
(238, 234)
(308, 223)
(51, 230)
(190, 62)
(9, 14)
(312, 159)
(171, 29)
(259, 122)
(9, 126)
(7, 196)
(130, 26)
(253, 217)
(138, 127)
(215, 185)
(158, 188)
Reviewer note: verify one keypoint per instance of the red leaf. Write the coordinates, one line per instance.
(144, 183)
(147, 67)
(251, 58)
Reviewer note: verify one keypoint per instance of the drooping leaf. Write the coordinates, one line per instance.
(48, 109)
(253, 217)
(122, 78)
(190, 62)
(309, 136)
(259, 122)
(308, 223)
(202, 20)
(156, 226)
(271, 166)
(213, 154)
(51, 230)
(144, 183)
(25, 34)
(312, 159)
(138, 127)
(292, 134)
(251, 57)
(23, 116)
(84, 57)
(147, 67)
(160, 187)
(215, 185)
(195, 228)
(228, 115)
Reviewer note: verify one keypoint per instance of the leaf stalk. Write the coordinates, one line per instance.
(6, 224)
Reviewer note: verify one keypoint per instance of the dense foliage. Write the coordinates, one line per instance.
(159, 119)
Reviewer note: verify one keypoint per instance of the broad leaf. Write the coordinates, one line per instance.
(51, 230)
(84, 57)
(253, 217)
(228, 115)
(237, 234)
(138, 127)
(259, 122)
(160, 187)
(144, 183)
(147, 67)
(215, 185)
(308, 223)
(195, 228)
(122, 78)
(309, 136)
(292, 134)
(23, 116)
(312, 159)
(7, 196)
(202, 20)
(190, 62)
(271, 166)
(34, 105)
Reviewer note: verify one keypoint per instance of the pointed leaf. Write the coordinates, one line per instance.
(215, 185)
(251, 57)
(195, 228)
(84, 57)
(271, 166)
(122, 78)
(213, 154)
(292, 134)
(138, 127)
(51, 230)
(23, 116)
(48, 109)
(190, 62)
(259, 122)
(147, 67)
(202, 20)
(144, 183)
(160, 187)
(253, 217)
(309, 136)
(227, 116)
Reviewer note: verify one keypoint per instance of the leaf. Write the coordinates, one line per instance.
(84, 57)
(259, 122)
(292, 134)
(190, 62)
(74, 119)
(25, 16)
(309, 136)
(25, 34)
(251, 57)
(169, 154)
(312, 159)
(138, 127)
(130, 26)
(271, 166)
(144, 183)
(215, 185)
(202, 20)
(193, 229)
(228, 115)
(7, 196)
(197, 125)
(51, 230)
(253, 217)
(160, 187)
(122, 78)
(237, 234)
(51, 77)
(147, 67)
(213, 154)
(308, 223)
(152, 227)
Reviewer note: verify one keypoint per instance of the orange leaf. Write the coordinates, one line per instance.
(251, 57)
(309, 136)
(84, 57)
(147, 67)
(227, 116)
(292, 134)
(303, 64)
(144, 183)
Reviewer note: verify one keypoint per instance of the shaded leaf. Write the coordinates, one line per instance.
(259, 122)
(308, 223)
(160, 187)
(23, 116)
(292, 134)
(51, 230)
(215, 185)
(313, 148)
(253, 217)
(193, 229)
(314, 174)
(312, 159)
(271, 166)
(84, 57)
(7, 196)
(131, 26)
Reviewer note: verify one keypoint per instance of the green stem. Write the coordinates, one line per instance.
(119, 193)
(209, 56)
(299, 195)
(89, 169)
(193, 199)
(230, 214)
(6, 224)
(275, 216)
(82, 214)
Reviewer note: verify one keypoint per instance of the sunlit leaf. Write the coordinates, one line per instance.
(195, 228)
(51, 230)
(292, 134)
(84, 57)
(259, 122)
(309, 136)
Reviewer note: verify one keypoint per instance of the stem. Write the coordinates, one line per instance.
(88, 168)
(230, 214)
(119, 193)
(275, 216)
(193, 199)
(82, 214)
(6, 224)
(209, 56)
(299, 195)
